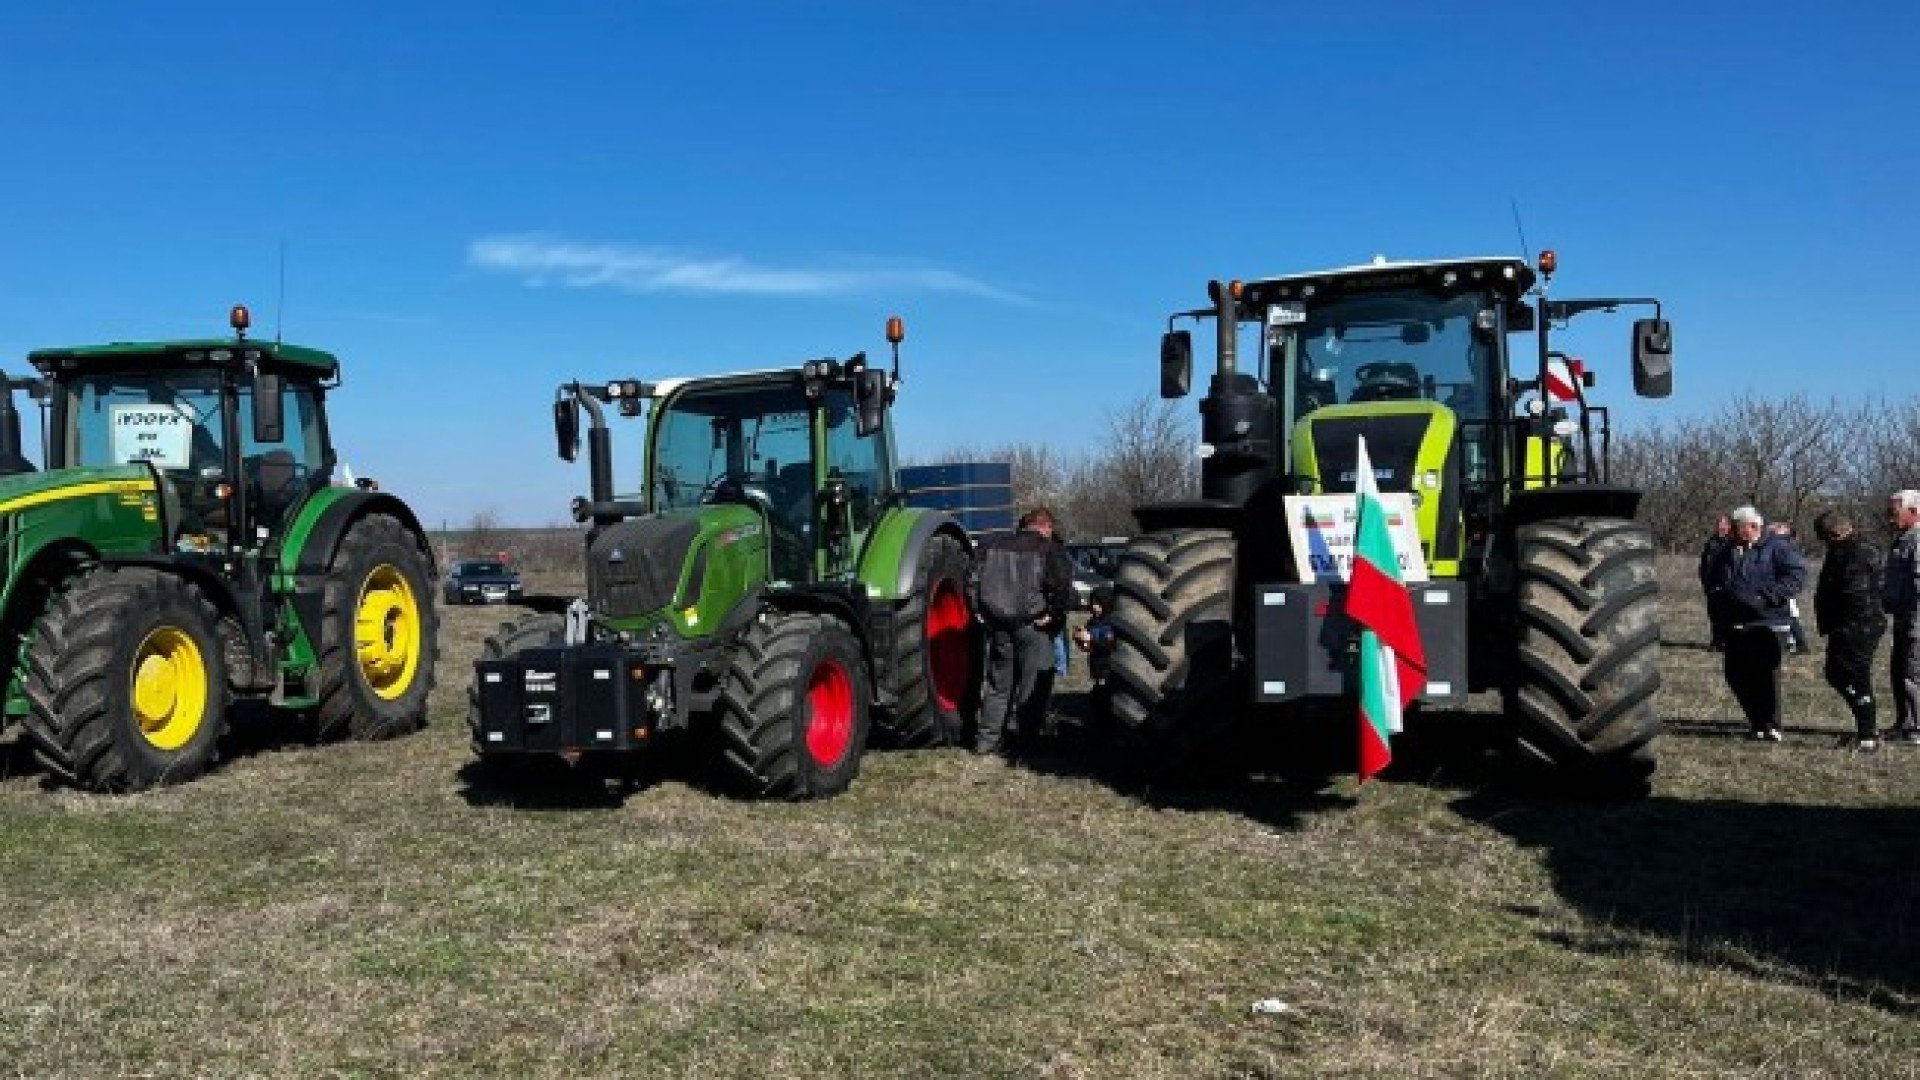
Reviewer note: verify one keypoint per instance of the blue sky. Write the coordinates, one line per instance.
(479, 201)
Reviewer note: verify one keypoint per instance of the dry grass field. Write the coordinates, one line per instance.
(378, 910)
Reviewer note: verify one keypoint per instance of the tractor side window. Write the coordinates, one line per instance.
(279, 473)
(865, 464)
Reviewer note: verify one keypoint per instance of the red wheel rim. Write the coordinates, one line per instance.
(949, 654)
(829, 713)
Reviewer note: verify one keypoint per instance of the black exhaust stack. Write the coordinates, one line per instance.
(1237, 419)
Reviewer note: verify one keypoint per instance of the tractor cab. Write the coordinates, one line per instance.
(787, 444)
(233, 430)
(1422, 359)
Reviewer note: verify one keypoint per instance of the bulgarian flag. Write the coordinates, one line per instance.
(1393, 667)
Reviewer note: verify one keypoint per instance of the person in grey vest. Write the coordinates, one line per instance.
(1900, 596)
(1748, 585)
(1023, 589)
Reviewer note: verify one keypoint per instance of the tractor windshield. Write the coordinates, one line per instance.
(1396, 346)
(172, 419)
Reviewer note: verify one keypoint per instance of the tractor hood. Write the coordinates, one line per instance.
(23, 490)
(1412, 447)
(692, 564)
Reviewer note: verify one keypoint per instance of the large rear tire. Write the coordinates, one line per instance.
(379, 634)
(1588, 651)
(1172, 662)
(933, 651)
(127, 681)
(793, 708)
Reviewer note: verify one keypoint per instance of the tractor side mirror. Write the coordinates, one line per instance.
(566, 427)
(1652, 358)
(870, 398)
(269, 416)
(1176, 364)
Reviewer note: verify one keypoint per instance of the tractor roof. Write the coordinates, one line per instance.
(666, 387)
(198, 353)
(1507, 273)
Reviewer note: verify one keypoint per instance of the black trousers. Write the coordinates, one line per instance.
(1906, 677)
(1849, 670)
(1753, 674)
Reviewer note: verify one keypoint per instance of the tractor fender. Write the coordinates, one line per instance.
(321, 522)
(1192, 514)
(891, 562)
(324, 519)
(1571, 500)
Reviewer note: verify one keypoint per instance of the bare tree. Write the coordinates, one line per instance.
(1149, 456)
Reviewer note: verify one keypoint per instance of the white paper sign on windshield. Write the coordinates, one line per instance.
(1322, 528)
(161, 434)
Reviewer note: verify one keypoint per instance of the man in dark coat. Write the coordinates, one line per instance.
(1846, 611)
(1717, 542)
(1900, 596)
(1024, 589)
(1748, 585)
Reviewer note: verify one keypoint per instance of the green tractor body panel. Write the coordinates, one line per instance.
(1412, 447)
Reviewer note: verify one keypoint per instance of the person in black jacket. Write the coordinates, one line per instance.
(1025, 588)
(1717, 542)
(1748, 585)
(1846, 611)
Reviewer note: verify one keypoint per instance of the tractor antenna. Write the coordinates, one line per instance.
(1526, 253)
(280, 300)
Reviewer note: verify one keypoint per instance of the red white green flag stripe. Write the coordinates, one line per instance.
(1393, 666)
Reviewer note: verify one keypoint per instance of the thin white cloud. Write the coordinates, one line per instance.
(542, 261)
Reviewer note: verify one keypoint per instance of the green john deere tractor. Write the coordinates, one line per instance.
(765, 589)
(184, 547)
(1539, 581)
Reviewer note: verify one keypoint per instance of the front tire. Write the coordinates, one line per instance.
(1172, 661)
(793, 708)
(933, 651)
(126, 681)
(378, 634)
(1588, 650)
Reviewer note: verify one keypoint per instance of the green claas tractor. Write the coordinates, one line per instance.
(184, 547)
(765, 590)
(1538, 581)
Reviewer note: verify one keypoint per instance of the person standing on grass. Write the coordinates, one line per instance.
(1748, 585)
(1900, 597)
(1717, 540)
(1023, 588)
(1846, 611)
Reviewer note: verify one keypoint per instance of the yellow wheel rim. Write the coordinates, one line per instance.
(386, 630)
(169, 688)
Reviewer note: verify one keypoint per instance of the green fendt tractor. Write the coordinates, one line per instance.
(185, 547)
(765, 589)
(1542, 585)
